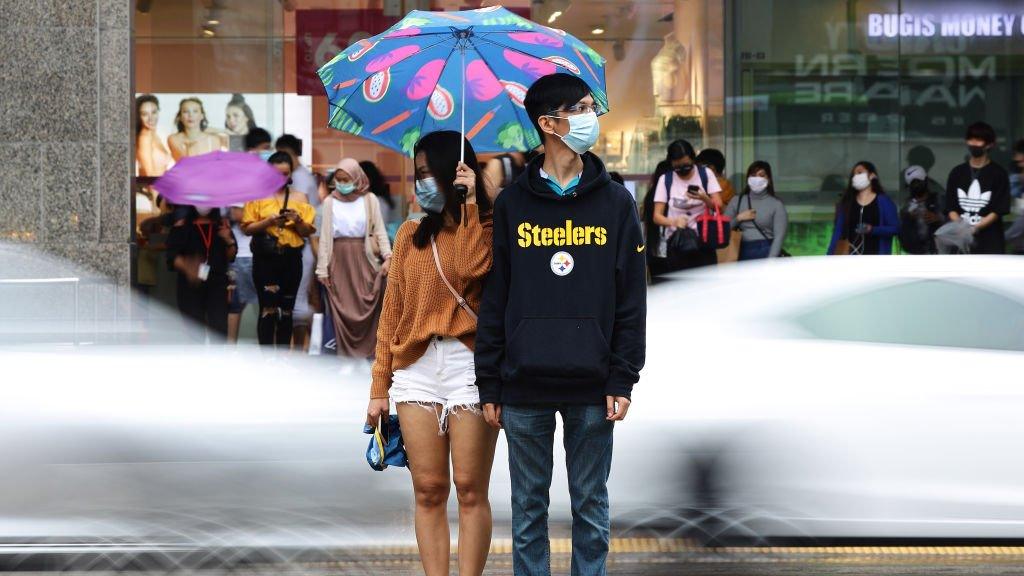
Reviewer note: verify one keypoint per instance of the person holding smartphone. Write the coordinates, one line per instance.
(683, 195)
(279, 226)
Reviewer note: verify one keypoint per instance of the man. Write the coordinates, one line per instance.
(302, 179)
(1015, 233)
(978, 192)
(562, 324)
(242, 289)
(920, 216)
(715, 160)
(257, 141)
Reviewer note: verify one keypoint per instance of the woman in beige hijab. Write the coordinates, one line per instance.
(353, 259)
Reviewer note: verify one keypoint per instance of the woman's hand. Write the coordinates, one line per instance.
(681, 222)
(290, 216)
(466, 177)
(324, 280)
(746, 215)
(377, 409)
(385, 268)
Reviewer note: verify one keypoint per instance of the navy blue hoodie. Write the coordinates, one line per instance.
(564, 310)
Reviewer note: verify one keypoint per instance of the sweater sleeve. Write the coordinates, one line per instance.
(490, 331)
(380, 231)
(390, 314)
(628, 342)
(837, 231)
(888, 216)
(780, 223)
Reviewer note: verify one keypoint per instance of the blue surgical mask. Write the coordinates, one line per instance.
(429, 196)
(345, 188)
(583, 132)
(266, 154)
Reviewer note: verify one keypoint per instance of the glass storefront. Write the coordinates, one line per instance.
(817, 85)
(811, 86)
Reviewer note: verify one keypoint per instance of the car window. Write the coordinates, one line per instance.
(926, 312)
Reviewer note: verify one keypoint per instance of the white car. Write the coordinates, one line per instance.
(800, 398)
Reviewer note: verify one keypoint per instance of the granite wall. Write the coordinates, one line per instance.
(65, 129)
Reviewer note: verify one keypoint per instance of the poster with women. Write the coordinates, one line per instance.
(170, 126)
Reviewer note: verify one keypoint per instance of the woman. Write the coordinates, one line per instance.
(380, 188)
(425, 353)
(866, 219)
(238, 116)
(353, 259)
(200, 249)
(192, 138)
(681, 196)
(759, 215)
(279, 226)
(151, 155)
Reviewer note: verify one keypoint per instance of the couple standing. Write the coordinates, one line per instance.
(557, 273)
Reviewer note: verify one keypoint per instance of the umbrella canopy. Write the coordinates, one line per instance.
(219, 179)
(954, 237)
(466, 71)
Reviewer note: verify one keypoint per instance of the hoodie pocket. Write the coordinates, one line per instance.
(572, 348)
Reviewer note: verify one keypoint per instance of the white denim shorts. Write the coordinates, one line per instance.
(445, 375)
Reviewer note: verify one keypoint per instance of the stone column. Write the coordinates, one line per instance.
(65, 130)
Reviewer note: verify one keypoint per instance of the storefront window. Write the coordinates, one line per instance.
(817, 85)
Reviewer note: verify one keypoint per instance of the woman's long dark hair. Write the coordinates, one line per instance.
(754, 167)
(848, 196)
(378, 185)
(442, 153)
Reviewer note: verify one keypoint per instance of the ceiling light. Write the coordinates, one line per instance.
(213, 22)
(597, 31)
(207, 33)
(554, 16)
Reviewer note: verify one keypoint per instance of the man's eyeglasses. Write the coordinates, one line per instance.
(576, 109)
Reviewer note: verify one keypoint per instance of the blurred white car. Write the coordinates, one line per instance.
(800, 398)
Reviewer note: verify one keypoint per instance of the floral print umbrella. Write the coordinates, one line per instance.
(466, 71)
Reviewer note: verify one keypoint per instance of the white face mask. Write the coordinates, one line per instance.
(583, 132)
(861, 181)
(757, 184)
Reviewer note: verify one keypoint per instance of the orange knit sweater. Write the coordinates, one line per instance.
(417, 305)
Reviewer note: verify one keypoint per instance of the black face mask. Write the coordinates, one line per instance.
(684, 170)
(976, 151)
(918, 188)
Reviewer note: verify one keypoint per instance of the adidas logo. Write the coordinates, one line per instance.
(973, 201)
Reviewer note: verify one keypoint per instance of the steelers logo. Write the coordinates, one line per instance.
(562, 264)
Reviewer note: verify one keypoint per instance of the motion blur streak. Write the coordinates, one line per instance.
(810, 399)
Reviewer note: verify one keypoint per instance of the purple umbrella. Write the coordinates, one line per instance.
(219, 179)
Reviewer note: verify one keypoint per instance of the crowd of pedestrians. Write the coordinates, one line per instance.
(472, 326)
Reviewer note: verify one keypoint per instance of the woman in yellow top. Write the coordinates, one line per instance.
(279, 226)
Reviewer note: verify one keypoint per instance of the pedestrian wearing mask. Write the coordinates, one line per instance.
(759, 215)
(562, 325)
(425, 352)
(978, 192)
(866, 218)
(920, 217)
(279, 226)
(353, 259)
(681, 197)
(200, 250)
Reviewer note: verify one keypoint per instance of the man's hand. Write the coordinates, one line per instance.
(617, 407)
(492, 415)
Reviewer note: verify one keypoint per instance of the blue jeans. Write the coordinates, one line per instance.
(530, 432)
(755, 249)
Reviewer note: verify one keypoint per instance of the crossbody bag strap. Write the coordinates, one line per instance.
(458, 297)
(750, 204)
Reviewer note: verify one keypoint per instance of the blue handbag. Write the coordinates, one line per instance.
(386, 447)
